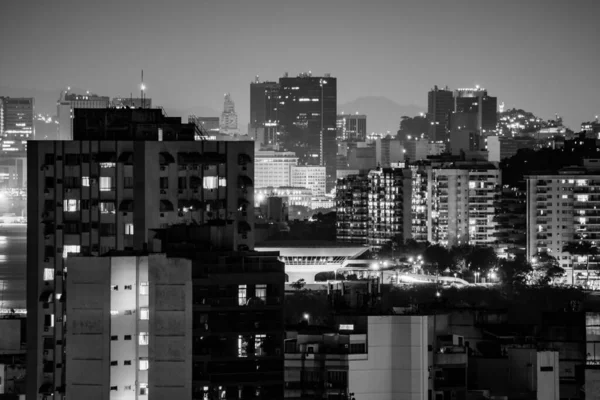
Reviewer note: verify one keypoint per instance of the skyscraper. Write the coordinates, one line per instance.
(127, 174)
(352, 127)
(264, 115)
(229, 118)
(439, 105)
(478, 102)
(66, 105)
(17, 123)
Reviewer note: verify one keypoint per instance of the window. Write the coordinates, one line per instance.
(48, 274)
(105, 183)
(128, 229)
(128, 287)
(128, 182)
(71, 205)
(242, 346)
(182, 182)
(222, 182)
(113, 388)
(70, 248)
(114, 287)
(258, 343)
(127, 337)
(144, 364)
(210, 182)
(242, 293)
(114, 363)
(85, 181)
(127, 362)
(144, 389)
(164, 182)
(114, 312)
(114, 337)
(107, 207)
(144, 338)
(144, 313)
(144, 288)
(107, 229)
(261, 292)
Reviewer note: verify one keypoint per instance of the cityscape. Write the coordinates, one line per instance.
(235, 213)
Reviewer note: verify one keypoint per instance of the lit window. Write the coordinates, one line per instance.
(85, 181)
(222, 182)
(258, 343)
(582, 197)
(114, 312)
(144, 313)
(210, 182)
(261, 292)
(144, 289)
(144, 389)
(70, 248)
(108, 165)
(242, 346)
(48, 274)
(144, 339)
(242, 295)
(144, 364)
(129, 229)
(71, 205)
(107, 207)
(105, 184)
(51, 320)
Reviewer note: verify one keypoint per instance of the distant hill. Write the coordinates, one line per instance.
(382, 113)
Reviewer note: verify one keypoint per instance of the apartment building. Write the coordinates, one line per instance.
(352, 205)
(273, 168)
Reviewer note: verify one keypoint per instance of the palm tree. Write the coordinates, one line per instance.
(585, 249)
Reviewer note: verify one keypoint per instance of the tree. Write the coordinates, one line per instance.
(546, 269)
(437, 256)
(483, 258)
(515, 272)
(298, 285)
(460, 257)
(584, 249)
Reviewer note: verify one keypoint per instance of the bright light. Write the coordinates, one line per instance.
(375, 265)
(410, 259)
(438, 294)
(306, 316)
(419, 257)
(261, 197)
(143, 87)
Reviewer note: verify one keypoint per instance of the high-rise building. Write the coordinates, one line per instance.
(273, 168)
(229, 119)
(478, 102)
(440, 104)
(416, 149)
(352, 127)
(419, 202)
(66, 105)
(385, 195)
(264, 112)
(310, 177)
(388, 151)
(307, 117)
(126, 174)
(561, 208)
(17, 124)
(461, 199)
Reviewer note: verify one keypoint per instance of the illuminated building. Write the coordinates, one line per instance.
(419, 202)
(477, 102)
(352, 127)
(310, 177)
(591, 128)
(307, 117)
(273, 168)
(13, 172)
(66, 105)
(375, 208)
(440, 104)
(134, 102)
(17, 123)
(110, 189)
(563, 207)
(292, 196)
(229, 119)
(461, 199)
(264, 113)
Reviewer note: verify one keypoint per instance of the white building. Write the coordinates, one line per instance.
(309, 176)
(416, 149)
(229, 118)
(273, 168)
(460, 202)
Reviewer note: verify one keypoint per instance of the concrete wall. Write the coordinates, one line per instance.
(547, 375)
(396, 366)
(10, 336)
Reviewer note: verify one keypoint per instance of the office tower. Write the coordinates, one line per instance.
(478, 102)
(66, 105)
(210, 125)
(352, 209)
(229, 120)
(386, 195)
(126, 174)
(440, 104)
(592, 128)
(388, 151)
(307, 117)
(461, 200)
(416, 149)
(562, 207)
(135, 102)
(129, 324)
(264, 112)
(310, 177)
(17, 124)
(273, 168)
(352, 127)
(361, 156)
(419, 202)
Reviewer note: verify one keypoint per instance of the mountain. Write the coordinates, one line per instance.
(382, 113)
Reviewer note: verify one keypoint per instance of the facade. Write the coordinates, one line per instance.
(292, 196)
(273, 168)
(129, 323)
(207, 124)
(561, 208)
(388, 152)
(310, 177)
(110, 189)
(362, 157)
(264, 112)
(228, 123)
(461, 202)
(66, 105)
(511, 226)
(134, 102)
(419, 202)
(500, 148)
(476, 101)
(13, 173)
(352, 209)
(307, 117)
(352, 127)
(464, 141)
(16, 115)
(417, 149)
(440, 104)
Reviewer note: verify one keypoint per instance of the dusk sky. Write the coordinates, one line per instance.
(542, 56)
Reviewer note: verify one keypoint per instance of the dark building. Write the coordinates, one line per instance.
(440, 104)
(352, 211)
(478, 102)
(264, 111)
(352, 127)
(307, 117)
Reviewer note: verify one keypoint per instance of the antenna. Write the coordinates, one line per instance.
(142, 87)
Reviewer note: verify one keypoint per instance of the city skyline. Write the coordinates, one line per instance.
(512, 51)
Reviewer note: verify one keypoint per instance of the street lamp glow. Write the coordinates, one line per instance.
(410, 259)
(306, 316)
(375, 265)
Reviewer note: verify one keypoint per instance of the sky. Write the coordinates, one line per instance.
(539, 55)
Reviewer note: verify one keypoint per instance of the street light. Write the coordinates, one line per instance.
(306, 316)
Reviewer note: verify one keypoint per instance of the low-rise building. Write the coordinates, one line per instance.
(310, 177)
